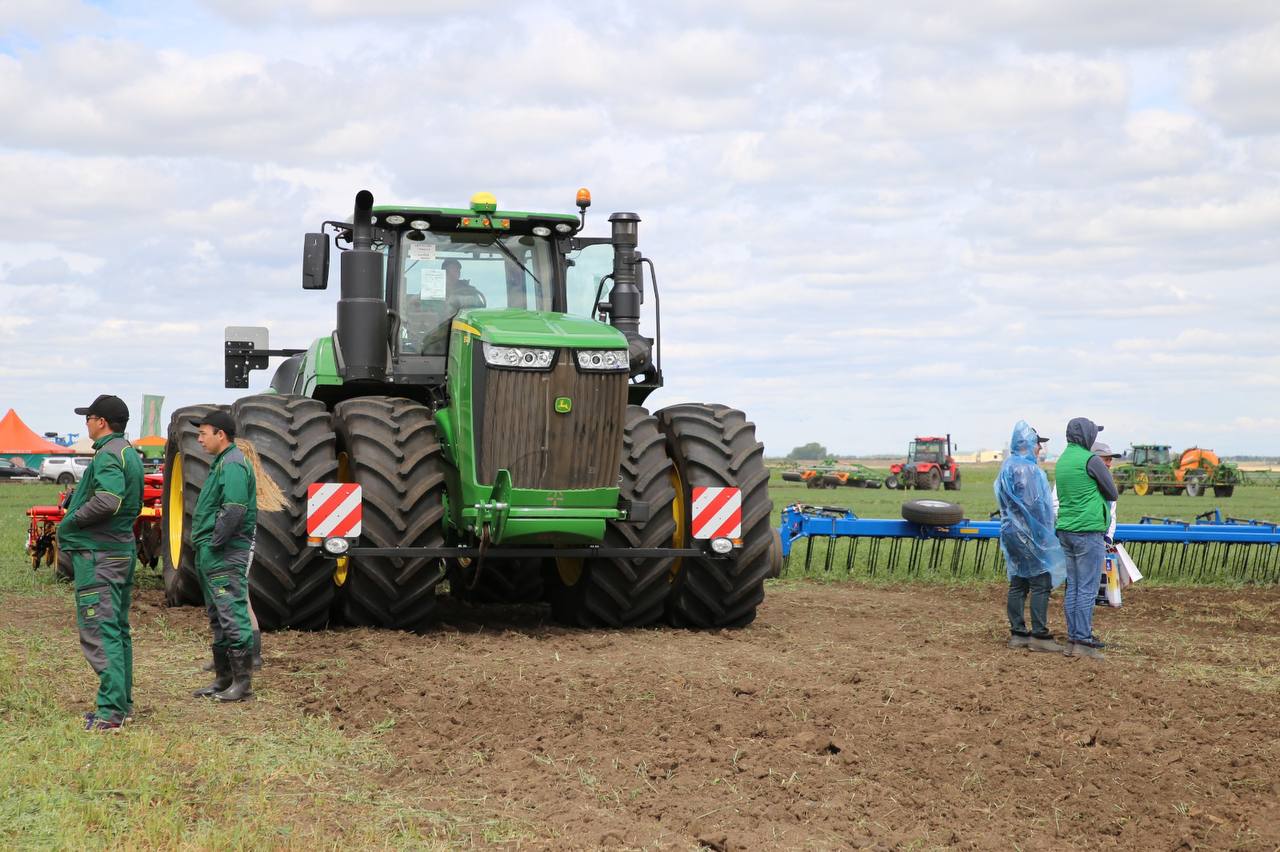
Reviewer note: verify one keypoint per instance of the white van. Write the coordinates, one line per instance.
(64, 470)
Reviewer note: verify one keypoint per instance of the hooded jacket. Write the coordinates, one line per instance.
(1027, 537)
(1084, 484)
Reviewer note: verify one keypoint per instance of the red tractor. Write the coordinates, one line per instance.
(929, 465)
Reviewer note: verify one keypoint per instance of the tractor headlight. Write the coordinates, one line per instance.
(519, 357)
(603, 359)
(722, 545)
(336, 546)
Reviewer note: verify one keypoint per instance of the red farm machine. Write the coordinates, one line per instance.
(930, 465)
(42, 539)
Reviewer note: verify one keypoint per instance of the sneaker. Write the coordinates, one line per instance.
(1018, 640)
(1080, 649)
(1046, 643)
(1095, 642)
(102, 726)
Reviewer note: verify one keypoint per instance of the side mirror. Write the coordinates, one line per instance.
(315, 262)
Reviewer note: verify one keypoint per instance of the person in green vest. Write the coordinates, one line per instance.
(222, 533)
(1084, 487)
(97, 534)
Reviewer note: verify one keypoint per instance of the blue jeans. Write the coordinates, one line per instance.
(1085, 552)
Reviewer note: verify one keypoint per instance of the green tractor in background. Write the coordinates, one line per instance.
(1151, 468)
(486, 392)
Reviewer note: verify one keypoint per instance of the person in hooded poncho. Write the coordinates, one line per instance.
(1033, 557)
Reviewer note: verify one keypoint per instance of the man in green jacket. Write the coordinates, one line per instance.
(97, 533)
(1084, 488)
(222, 530)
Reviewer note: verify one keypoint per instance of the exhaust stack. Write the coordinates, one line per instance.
(362, 308)
(626, 296)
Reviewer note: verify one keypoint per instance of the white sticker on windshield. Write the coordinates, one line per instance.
(422, 251)
(433, 284)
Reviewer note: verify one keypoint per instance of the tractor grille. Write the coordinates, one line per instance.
(518, 429)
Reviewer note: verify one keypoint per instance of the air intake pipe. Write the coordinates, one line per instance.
(362, 308)
(626, 296)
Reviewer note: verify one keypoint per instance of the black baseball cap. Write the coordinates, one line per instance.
(220, 420)
(108, 407)
(1039, 438)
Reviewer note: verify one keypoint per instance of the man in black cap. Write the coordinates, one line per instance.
(222, 531)
(97, 533)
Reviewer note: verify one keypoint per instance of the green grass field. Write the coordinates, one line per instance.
(190, 776)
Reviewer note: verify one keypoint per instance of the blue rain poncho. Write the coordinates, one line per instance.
(1027, 537)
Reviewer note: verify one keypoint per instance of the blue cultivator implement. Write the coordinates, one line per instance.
(1211, 548)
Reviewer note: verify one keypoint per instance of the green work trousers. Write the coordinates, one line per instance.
(104, 593)
(224, 580)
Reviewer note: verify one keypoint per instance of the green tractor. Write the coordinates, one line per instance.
(1151, 468)
(485, 387)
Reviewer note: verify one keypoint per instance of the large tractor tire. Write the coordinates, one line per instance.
(291, 584)
(714, 445)
(892, 482)
(933, 481)
(391, 450)
(618, 591)
(186, 467)
(954, 484)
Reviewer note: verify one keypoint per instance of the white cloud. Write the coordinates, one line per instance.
(1234, 82)
(867, 220)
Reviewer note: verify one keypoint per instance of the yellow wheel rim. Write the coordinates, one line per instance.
(681, 535)
(173, 475)
(1141, 484)
(570, 571)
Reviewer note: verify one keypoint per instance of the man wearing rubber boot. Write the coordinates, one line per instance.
(97, 533)
(1034, 561)
(222, 528)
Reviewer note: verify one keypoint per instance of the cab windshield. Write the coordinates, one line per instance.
(441, 274)
(926, 452)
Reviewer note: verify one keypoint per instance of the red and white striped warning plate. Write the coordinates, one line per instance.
(717, 512)
(334, 510)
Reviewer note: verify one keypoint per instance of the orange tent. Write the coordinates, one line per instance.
(16, 437)
(150, 441)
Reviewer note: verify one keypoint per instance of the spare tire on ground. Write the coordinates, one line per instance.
(932, 513)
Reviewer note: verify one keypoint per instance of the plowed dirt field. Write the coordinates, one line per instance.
(845, 716)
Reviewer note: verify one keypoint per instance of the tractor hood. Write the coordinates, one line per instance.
(515, 327)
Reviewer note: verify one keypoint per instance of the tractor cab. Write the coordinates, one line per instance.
(1151, 454)
(928, 450)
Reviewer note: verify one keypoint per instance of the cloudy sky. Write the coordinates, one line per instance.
(870, 220)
